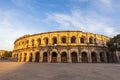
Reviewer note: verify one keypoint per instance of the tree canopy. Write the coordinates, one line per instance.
(8, 54)
(114, 43)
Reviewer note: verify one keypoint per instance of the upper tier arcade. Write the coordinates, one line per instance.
(61, 38)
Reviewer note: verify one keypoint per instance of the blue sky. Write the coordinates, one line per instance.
(20, 17)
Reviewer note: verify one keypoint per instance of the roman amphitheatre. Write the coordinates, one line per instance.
(61, 55)
(63, 47)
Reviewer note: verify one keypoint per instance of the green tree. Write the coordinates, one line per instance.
(8, 54)
(114, 43)
(114, 47)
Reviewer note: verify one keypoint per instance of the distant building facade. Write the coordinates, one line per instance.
(63, 47)
(2, 52)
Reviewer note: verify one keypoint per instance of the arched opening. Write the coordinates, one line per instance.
(84, 57)
(25, 57)
(94, 57)
(82, 40)
(73, 39)
(54, 41)
(64, 57)
(31, 56)
(64, 39)
(32, 42)
(90, 40)
(102, 57)
(54, 57)
(37, 57)
(45, 57)
(39, 41)
(46, 41)
(27, 42)
(95, 41)
(74, 57)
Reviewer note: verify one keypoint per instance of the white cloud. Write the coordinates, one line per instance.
(11, 27)
(105, 6)
(14, 23)
(107, 3)
(91, 22)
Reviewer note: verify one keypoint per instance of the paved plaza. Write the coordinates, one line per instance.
(59, 71)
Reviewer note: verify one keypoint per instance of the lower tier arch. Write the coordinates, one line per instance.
(59, 55)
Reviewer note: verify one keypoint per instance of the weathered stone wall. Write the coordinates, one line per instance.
(62, 46)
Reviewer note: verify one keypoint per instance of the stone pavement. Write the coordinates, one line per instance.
(59, 71)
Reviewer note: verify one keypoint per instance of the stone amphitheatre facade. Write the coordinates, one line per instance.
(62, 47)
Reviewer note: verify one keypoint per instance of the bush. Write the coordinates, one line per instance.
(7, 54)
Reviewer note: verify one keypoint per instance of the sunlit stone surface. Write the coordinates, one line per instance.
(63, 47)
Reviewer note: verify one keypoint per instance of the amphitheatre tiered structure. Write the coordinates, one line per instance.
(62, 47)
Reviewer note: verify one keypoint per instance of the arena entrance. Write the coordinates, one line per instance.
(102, 57)
(31, 56)
(94, 57)
(25, 57)
(37, 56)
(64, 57)
(74, 57)
(84, 57)
(45, 57)
(54, 57)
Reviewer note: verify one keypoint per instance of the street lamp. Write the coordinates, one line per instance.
(55, 44)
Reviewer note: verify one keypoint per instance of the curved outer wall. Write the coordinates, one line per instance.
(62, 46)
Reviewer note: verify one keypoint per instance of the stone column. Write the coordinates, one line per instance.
(117, 56)
(69, 57)
(80, 58)
(50, 56)
(22, 58)
(58, 40)
(98, 58)
(19, 57)
(105, 57)
(58, 58)
(89, 57)
(27, 57)
(41, 57)
(33, 58)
